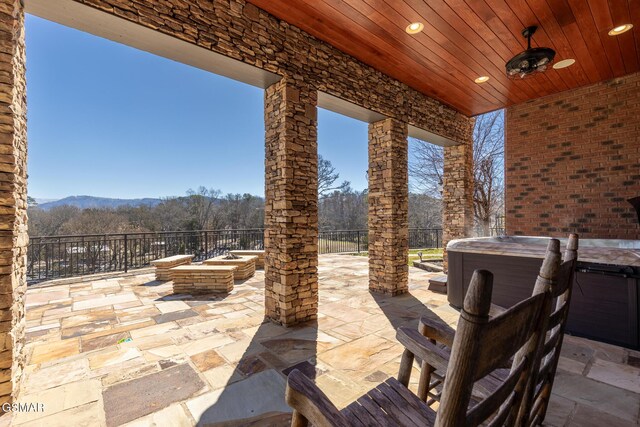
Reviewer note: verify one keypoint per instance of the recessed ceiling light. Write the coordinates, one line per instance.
(564, 63)
(620, 29)
(414, 27)
(481, 79)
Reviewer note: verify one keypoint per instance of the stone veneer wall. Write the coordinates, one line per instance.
(573, 159)
(291, 203)
(388, 207)
(13, 197)
(457, 192)
(244, 32)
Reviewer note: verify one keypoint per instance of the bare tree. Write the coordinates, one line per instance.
(327, 176)
(426, 168)
(201, 207)
(424, 211)
(96, 221)
(242, 211)
(488, 168)
(52, 221)
(343, 210)
(427, 163)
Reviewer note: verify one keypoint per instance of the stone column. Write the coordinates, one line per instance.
(388, 207)
(13, 197)
(291, 203)
(457, 192)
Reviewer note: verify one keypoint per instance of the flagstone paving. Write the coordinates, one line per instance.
(126, 350)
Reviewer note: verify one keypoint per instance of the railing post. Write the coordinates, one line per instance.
(103, 249)
(358, 241)
(82, 255)
(46, 261)
(126, 254)
(206, 245)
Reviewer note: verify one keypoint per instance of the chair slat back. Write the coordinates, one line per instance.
(481, 345)
(506, 335)
(563, 282)
(539, 391)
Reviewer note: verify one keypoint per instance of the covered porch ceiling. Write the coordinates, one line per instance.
(466, 39)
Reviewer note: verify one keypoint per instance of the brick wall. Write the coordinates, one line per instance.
(572, 161)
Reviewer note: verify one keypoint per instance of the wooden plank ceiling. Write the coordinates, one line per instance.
(465, 39)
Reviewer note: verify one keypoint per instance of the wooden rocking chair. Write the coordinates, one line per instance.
(480, 346)
(554, 277)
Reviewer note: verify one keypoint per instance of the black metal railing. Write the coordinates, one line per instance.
(423, 238)
(336, 241)
(67, 256)
(55, 257)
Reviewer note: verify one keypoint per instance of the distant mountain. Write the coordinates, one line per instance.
(87, 202)
(42, 201)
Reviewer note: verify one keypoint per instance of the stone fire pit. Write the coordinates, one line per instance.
(246, 264)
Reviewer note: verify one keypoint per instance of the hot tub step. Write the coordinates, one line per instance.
(438, 284)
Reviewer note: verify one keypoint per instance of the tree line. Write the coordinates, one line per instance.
(201, 209)
(204, 209)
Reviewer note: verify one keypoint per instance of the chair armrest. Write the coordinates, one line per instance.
(423, 349)
(437, 330)
(496, 310)
(306, 398)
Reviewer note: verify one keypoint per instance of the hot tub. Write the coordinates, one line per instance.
(605, 299)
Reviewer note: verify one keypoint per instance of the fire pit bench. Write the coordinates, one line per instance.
(163, 265)
(258, 253)
(246, 265)
(189, 279)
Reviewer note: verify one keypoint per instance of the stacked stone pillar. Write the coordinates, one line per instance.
(13, 197)
(457, 191)
(388, 207)
(291, 203)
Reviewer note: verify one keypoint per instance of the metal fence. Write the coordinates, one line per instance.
(67, 256)
(358, 240)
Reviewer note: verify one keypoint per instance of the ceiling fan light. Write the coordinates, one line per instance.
(531, 60)
(564, 63)
(414, 27)
(620, 29)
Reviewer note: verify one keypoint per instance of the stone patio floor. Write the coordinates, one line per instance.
(204, 360)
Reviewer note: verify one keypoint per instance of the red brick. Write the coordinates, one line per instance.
(581, 150)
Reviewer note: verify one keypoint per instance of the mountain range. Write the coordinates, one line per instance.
(87, 202)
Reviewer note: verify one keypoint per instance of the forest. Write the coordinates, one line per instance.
(205, 209)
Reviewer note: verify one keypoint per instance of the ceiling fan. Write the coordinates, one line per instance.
(531, 61)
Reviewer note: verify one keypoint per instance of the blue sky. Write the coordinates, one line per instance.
(112, 121)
